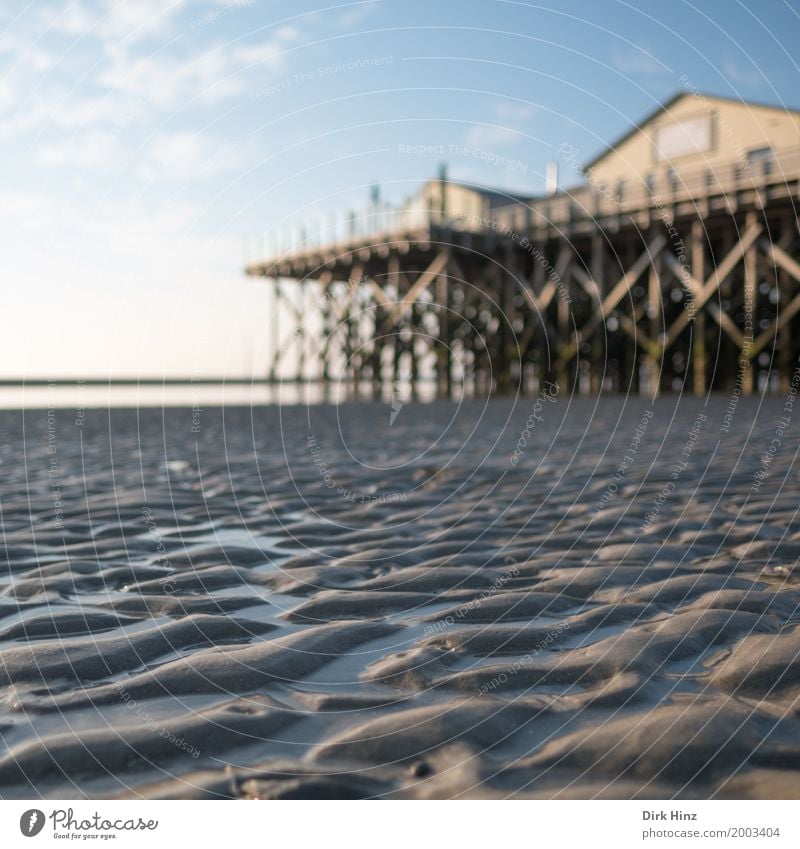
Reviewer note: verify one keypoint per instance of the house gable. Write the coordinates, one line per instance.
(695, 132)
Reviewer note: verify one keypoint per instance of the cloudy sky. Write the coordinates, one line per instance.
(151, 146)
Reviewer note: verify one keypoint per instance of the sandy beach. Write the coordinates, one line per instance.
(540, 598)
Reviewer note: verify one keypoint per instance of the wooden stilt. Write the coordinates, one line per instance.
(749, 309)
(561, 366)
(301, 330)
(596, 359)
(699, 366)
(443, 342)
(325, 309)
(272, 373)
(655, 312)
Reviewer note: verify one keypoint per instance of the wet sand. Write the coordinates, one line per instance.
(562, 599)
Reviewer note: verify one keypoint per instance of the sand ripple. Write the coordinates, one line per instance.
(325, 604)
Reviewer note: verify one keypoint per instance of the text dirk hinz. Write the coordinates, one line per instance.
(673, 815)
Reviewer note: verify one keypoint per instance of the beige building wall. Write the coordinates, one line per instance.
(460, 201)
(694, 135)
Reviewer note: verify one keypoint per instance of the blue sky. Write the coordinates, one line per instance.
(149, 147)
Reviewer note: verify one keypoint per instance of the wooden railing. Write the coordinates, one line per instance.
(584, 203)
(588, 201)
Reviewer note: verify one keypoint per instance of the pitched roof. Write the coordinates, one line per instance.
(664, 107)
(496, 197)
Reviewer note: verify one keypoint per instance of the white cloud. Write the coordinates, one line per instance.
(119, 81)
(512, 119)
(95, 150)
(6, 93)
(28, 211)
(489, 136)
(515, 111)
(188, 156)
(637, 61)
(746, 75)
(74, 19)
(352, 17)
(270, 51)
(111, 21)
(213, 74)
(91, 85)
(135, 21)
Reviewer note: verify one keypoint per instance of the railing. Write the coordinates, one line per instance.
(589, 201)
(583, 203)
(340, 229)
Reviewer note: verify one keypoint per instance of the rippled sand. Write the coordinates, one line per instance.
(566, 599)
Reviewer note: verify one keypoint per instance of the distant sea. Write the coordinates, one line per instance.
(190, 394)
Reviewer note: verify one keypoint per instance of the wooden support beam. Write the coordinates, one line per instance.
(598, 345)
(785, 341)
(715, 279)
(271, 372)
(398, 348)
(325, 309)
(615, 295)
(420, 285)
(780, 258)
(380, 296)
(565, 256)
(786, 269)
(537, 321)
(376, 348)
(696, 288)
(282, 349)
(339, 324)
(539, 302)
(750, 273)
(790, 269)
(699, 334)
(631, 327)
(655, 312)
(301, 330)
(443, 362)
(786, 315)
(560, 366)
(511, 358)
(587, 283)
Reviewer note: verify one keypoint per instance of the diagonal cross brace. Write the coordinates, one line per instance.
(420, 285)
(792, 268)
(714, 281)
(611, 300)
(722, 319)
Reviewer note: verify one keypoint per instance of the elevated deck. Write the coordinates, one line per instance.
(596, 288)
(713, 196)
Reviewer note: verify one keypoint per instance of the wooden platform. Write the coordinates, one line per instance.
(693, 286)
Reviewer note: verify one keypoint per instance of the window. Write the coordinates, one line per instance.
(650, 182)
(761, 160)
(672, 180)
(680, 138)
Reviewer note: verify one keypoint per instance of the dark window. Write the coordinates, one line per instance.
(672, 180)
(761, 160)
